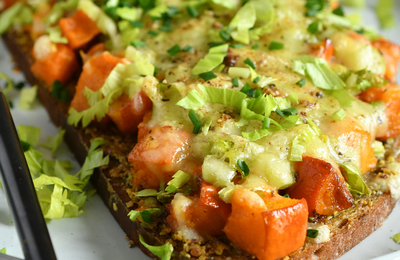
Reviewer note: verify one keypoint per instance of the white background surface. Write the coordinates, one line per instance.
(96, 235)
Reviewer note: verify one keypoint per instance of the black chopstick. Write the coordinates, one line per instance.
(20, 192)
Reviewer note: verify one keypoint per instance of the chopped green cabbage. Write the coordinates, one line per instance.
(300, 143)
(54, 142)
(7, 16)
(396, 238)
(28, 134)
(256, 134)
(3, 250)
(178, 180)
(339, 115)
(27, 97)
(213, 59)
(164, 252)
(385, 11)
(55, 35)
(319, 72)
(58, 9)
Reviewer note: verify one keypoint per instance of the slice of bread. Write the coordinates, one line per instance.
(348, 228)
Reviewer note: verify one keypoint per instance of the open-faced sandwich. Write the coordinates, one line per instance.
(236, 129)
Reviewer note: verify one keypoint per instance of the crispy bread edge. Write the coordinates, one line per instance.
(347, 228)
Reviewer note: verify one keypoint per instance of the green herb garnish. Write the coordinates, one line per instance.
(207, 75)
(313, 233)
(250, 63)
(174, 50)
(195, 120)
(275, 45)
(138, 43)
(244, 167)
(235, 82)
(301, 83)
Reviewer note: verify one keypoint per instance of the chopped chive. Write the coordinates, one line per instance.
(192, 11)
(290, 111)
(236, 45)
(250, 63)
(165, 28)
(224, 34)
(64, 97)
(151, 32)
(286, 196)
(174, 50)
(279, 113)
(256, 80)
(244, 167)
(338, 11)
(56, 89)
(138, 43)
(19, 85)
(195, 120)
(172, 10)
(215, 44)
(313, 27)
(137, 24)
(146, 216)
(155, 71)
(245, 88)
(275, 45)
(10, 104)
(207, 75)
(258, 93)
(112, 12)
(255, 46)
(301, 82)
(266, 123)
(313, 233)
(235, 82)
(24, 145)
(187, 48)
(251, 92)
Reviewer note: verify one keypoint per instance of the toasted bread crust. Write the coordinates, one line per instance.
(348, 228)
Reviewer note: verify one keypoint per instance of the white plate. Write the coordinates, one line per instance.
(96, 235)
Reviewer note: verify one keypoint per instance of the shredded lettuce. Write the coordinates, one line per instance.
(178, 180)
(60, 194)
(3, 250)
(353, 177)
(28, 134)
(256, 134)
(128, 33)
(385, 11)
(93, 160)
(54, 142)
(213, 59)
(27, 97)
(55, 35)
(319, 72)
(344, 97)
(129, 13)
(300, 143)
(164, 252)
(147, 193)
(339, 115)
(258, 15)
(194, 100)
(58, 9)
(240, 25)
(7, 16)
(396, 238)
(229, 4)
(10, 83)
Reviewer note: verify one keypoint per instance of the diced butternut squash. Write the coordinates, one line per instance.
(324, 50)
(391, 55)
(95, 72)
(390, 95)
(127, 112)
(209, 197)
(268, 226)
(160, 154)
(78, 29)
(322, 185)
(59, 64)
